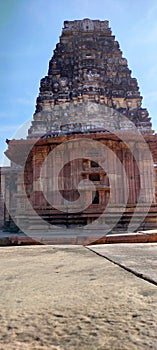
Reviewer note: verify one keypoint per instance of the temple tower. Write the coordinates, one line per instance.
(90, 106)
(87, 67)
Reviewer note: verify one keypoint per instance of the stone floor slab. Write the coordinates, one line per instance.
(140, 258)
(69, 298)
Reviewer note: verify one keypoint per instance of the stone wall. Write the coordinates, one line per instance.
(1, 204)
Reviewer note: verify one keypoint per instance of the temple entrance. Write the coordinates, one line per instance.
(95, 197)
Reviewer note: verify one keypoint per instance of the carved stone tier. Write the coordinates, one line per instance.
(87, 66)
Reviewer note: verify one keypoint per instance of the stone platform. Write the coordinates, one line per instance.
(70, 298)
(92, 238)
(139, 258)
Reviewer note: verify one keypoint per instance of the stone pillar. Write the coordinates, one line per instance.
(39, 155)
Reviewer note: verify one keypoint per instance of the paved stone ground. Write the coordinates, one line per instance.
(138, 257)
(68, 297)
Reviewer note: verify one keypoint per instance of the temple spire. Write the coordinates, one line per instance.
(88, 67)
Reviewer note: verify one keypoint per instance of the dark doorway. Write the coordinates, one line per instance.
(95, 197)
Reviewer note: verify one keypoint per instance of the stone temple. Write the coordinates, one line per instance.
(89, 162)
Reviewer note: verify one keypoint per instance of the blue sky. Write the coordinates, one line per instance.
(30, 30)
